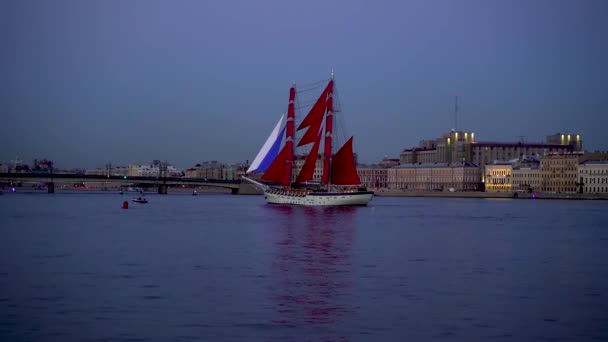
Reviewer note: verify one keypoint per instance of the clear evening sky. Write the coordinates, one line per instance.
(88, 82)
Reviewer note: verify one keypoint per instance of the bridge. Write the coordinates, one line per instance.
(162, 183)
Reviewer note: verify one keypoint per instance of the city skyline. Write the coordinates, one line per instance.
(86, 83)
(550, 142)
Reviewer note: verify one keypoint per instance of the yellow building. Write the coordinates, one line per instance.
(110, 171)
(526, 178)
(233, 171)
(593, 177)
(498, 177)
(298, 163)
(209, 169)
(559, 172)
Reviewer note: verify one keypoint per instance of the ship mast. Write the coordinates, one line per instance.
(328, 133)
(290, 133)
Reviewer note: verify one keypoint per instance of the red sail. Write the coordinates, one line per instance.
(311, 133)
(343, 169)
(276, 171)
(317, 111)
(308, 169)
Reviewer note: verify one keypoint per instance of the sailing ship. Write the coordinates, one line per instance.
(339, 185)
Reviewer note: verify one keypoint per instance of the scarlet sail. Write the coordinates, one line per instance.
(311, 133)
(308, 170)
(317, 111)
(276, 171)
(314, 119)
(343, 169)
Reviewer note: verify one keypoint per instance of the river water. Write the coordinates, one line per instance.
(77, 267)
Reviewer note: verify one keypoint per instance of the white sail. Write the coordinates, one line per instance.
(272, 138)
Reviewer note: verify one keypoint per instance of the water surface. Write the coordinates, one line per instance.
(77, 267)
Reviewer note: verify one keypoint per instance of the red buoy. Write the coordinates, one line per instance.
(125, 205)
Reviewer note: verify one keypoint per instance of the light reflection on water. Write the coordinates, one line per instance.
(313, 265)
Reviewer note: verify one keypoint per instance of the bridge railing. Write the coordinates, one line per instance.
(59, 176)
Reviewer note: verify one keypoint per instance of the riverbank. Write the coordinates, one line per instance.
(244, 189)
(517, 195)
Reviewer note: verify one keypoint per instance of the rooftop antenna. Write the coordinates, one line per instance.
(456, 113)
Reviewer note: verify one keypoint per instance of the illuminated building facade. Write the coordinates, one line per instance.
(573, 140)
(498, 177)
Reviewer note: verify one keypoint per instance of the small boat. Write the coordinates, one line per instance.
(140, 200)
(194, 193)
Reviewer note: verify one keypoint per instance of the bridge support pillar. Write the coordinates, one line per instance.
(249, 189)
(162, 189)
(50, 186)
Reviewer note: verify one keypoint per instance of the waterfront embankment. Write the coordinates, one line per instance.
(474, 194)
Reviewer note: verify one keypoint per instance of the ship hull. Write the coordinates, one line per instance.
(360, 198)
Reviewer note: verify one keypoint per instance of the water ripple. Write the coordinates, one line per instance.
(233, 268)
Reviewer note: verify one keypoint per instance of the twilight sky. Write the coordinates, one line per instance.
(88, 82)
